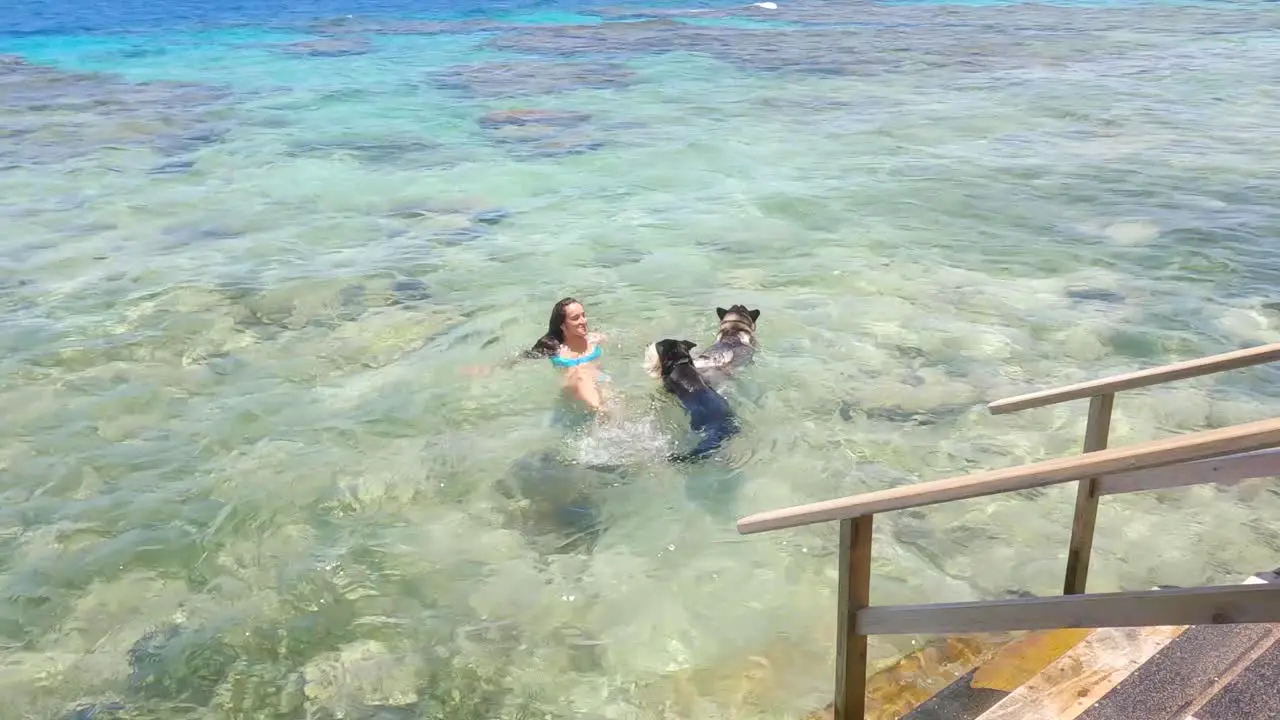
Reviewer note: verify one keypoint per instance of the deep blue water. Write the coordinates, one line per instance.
(70, 16)
(20, 17)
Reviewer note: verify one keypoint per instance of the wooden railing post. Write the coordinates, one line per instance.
(1086, 515)
(855, 594)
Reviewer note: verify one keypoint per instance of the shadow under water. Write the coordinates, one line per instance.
(557, 503)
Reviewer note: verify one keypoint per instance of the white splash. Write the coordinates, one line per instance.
(617, 442)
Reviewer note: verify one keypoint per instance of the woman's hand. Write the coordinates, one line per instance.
(477, 371)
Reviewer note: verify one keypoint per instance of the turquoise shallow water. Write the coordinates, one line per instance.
(247, 259)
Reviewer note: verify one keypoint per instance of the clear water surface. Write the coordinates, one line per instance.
(250, 250)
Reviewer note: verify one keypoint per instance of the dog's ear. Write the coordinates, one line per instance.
(652, 363)
(755, 315)
(721, 312)
(688, 345)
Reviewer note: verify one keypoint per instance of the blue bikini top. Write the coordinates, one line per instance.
(573, 362)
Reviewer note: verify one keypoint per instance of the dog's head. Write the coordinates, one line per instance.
(737, 319)
(662, 356)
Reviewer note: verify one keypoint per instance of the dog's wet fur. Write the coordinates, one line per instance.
(709, 412)
(735, 347)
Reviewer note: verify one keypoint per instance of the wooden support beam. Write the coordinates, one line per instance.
(1221, 470)
(1151, 376)
(1253, 603)
(1086, 515)
(1140, 456)
(855, 596)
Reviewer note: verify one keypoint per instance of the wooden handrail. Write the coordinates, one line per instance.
(1151, 376)
(1220, 459)
(1221, 455)
(1155, 453)
(1102, 394)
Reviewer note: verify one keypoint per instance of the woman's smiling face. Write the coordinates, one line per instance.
(575, 321)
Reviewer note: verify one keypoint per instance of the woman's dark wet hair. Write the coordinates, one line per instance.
(549, 344)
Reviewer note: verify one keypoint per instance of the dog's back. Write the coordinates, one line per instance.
(709, 412)
(728, 353)
(706, 407)
(735, 344)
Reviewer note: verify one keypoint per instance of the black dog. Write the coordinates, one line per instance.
(709, 413)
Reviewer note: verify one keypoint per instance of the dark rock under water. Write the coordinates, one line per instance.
(409, 290)
(174, 167)
(197, 233)
(179, 663)
(405, 151)
(329, 47)
(65, 116)
(96, 711)
(490, 217)
(901, 416)
(822, 38)
(533, 116)
(535, 77)
(1095, 295)
(348, 25)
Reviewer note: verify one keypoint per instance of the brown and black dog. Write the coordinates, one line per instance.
(735, 345)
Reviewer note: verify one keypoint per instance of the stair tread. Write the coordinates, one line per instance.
(1250, 694)
(1156, 673)
(1179, 674)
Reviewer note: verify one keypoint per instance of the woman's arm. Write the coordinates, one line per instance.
(583, 384)
(503, 364)
(485, 370)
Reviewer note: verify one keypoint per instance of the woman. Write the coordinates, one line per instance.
(575, 350)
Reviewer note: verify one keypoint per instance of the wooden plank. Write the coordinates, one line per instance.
(898, 690)
(855, 596)
(1024, 659)
(1219, 605)
(1087, 672)
(1141, 456)
(1152, 376)
(976, 692)
(1086, 515)
(1220, 470)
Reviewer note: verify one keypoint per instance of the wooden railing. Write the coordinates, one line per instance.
(1102, 394)
(1221, 455)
